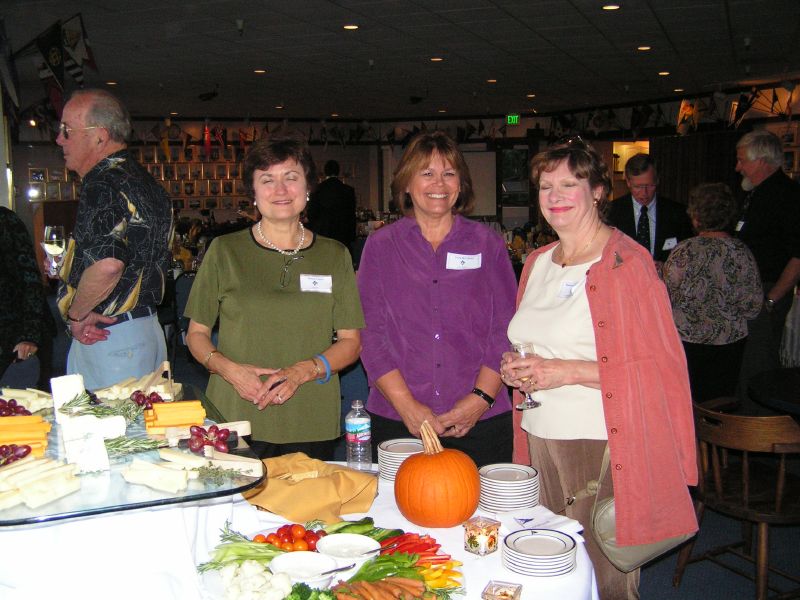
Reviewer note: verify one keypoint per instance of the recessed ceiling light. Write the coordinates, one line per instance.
(663, 73)
(678, 90)
(334, 114)
(643, 48)
(32, 122)
(531, 96)
(351, 27)
(491, 81)
(436, 59)
(610, 6)
(259, 71)
(174, 114)
(279, 107)
(111, 83)
(442, 110)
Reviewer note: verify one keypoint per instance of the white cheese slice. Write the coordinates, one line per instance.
(190, 473)
(189, 461)
(88, 452)
(9, 499)
(9, 480)
(247, 466)
(52, 470)
(240, 427)
(64, 389)
(157, 477)
(44, 491)
(80, 426)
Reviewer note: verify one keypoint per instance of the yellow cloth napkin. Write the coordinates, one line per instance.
(300, 489)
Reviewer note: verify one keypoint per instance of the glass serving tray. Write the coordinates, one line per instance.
(106, 491)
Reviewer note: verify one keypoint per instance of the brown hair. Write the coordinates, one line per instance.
(275, 150)
(713, 207)
(584, 162)
(417, 157)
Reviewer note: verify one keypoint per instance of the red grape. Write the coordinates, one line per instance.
(4, 412)
(3, 402)
(196, 443)
(221, 446)
(197, 430)
(223, 434)
(12, 403)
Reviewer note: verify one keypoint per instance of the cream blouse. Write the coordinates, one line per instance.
(554, 315)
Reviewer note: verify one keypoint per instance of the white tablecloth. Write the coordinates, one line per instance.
(153, 554)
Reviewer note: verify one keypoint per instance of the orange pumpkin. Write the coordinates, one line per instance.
(439, 487)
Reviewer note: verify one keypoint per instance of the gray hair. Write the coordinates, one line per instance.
(108, 112)
(764, 145)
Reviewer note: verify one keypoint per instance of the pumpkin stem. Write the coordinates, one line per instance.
(430, 441)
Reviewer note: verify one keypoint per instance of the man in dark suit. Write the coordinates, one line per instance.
(666, 222)
(332, 209)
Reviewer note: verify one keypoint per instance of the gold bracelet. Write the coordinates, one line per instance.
(208, 358)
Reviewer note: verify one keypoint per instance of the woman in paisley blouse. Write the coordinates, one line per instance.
(715, 288)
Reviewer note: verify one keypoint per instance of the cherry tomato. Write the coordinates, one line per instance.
(273, 539)
(288, 546)
(311, 539)
(260, 538)
(285, 538)
(298, 531)
(287, 529)
(300, 544)
(321, 533)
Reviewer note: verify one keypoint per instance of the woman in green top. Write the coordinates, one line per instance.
(280, 294)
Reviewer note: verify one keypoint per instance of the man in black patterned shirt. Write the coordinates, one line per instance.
(116, 263)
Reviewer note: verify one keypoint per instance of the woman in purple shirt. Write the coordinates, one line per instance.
(438, 292)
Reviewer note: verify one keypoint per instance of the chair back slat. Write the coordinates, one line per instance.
(756, 434)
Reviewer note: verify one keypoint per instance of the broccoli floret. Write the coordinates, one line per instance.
(300, 591)
(322, 595)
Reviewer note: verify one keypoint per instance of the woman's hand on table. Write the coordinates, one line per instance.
(460, 419)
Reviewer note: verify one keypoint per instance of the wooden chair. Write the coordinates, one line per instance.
(742, 464)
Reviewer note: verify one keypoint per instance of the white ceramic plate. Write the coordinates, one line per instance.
(539, 542)
(508, 472)
(401, 446)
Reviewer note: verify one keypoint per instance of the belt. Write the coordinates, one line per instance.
(136, 313)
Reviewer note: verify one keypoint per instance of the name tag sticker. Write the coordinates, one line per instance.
(463, 262)
(670, 243)
(567, 289)
(739, 225)
(316, 283)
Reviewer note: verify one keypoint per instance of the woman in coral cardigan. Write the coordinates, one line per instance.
(609, 369)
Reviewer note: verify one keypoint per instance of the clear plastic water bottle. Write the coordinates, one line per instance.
(358, 437)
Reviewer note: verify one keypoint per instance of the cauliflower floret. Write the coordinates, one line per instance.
(272, 594)
(233, 591)
(251, 567)
(282, 582)
(253, 583)
(228, 573)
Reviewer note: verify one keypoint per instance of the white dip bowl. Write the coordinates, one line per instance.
(305, 567)
(348, 548)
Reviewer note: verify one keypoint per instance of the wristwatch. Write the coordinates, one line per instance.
(769, 304)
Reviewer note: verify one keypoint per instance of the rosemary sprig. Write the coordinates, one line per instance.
(120, 446)
(83, 404)
(216, 475)
(229, 535)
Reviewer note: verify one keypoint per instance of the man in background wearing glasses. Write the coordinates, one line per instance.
(666, 222)
(114, 269)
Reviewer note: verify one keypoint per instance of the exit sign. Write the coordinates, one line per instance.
(512, 119)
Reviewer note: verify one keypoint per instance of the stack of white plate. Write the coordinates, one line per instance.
(506, 486)
(392, 453)
(539, 552)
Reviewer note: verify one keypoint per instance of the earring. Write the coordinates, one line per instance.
(596, 201)
(254, 203)
(308, 196)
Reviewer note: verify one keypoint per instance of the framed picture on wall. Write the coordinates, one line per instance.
(148, 154)
(222, 171)
(175, 188)
(178, 203)
(188, 188)
(136, 153)
(194, 203)
(188, 153)
(157, 172)
(67, 190)
(182, 171)
(244, 205)
(174, 153)
(56, 175)
(213, 188)
(37, 175)
(169, 172)
(195, 171)
(235, 171)
(36, 192)
(239, 187)
(227, 187)
(210, 203)
(227, 153)
(788, 161)
(53, 190)
(209, 171)
(227, 203)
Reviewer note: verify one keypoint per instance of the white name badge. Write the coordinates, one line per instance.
(316, 283)
(670, 243)
(567, 289)
(739, 225)
(463, 262)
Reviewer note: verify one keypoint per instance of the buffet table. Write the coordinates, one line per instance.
(152, 553)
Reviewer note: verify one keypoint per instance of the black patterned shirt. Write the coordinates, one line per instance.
(123, 213)
(22, 316)
(714, 287)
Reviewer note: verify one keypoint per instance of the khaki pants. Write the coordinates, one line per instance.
(564, 468)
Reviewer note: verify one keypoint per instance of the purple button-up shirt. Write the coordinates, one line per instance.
(438, 316)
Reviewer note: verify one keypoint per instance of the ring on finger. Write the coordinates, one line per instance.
(280, 398)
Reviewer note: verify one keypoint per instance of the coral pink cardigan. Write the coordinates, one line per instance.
(645, 389)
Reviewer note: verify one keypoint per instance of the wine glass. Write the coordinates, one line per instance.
(54, 245)
(524, 350)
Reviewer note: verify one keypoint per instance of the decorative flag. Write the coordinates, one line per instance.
(685, 117)
(8, 72)
(49, 46)
(220, 135)
(242, 139)
(55, 92)
(76, 52)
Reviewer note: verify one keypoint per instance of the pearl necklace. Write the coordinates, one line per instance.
(566, 261)
(274, 247)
